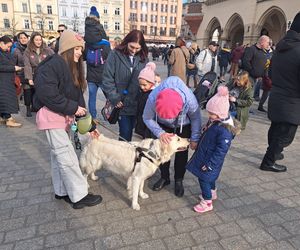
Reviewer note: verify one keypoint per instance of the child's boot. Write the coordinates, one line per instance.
(203, 206)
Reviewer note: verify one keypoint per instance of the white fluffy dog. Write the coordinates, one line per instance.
(124, 159)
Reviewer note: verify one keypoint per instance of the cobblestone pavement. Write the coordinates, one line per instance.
(255, 209)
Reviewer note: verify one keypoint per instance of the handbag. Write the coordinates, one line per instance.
(18, 85)
(111, 113)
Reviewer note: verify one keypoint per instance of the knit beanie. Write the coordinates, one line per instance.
(296, 23)
(94, 12)
(68, 40)
(148, 73)
(219, 103)
(168, 104)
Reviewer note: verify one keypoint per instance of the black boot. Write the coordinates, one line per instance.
(160, 184)
(28, 111)
(179, 190)
(65, 198)
(88, 201)
(274, 168)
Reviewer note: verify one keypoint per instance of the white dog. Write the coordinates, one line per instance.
(124, 159)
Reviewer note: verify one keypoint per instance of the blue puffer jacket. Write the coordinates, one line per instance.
(212, 149)
(190, 113)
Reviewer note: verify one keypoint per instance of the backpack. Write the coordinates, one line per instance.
(94, 57)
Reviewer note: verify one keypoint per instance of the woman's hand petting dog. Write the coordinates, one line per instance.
(166, 137)
(95, 134)
(80, 111)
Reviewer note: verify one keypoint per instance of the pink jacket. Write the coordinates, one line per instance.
(47, 119)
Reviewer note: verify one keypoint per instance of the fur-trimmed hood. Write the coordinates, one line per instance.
(235, 129)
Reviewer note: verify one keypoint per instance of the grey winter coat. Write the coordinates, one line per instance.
(19, 59)
(116, 74)
(8, 96)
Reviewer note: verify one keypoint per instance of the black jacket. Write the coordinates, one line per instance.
(284, 100)
(94, 74)
(8, 96)
(56, 45)
(254, 61)
(140, 127)
(224, 57)
(55, 88)
(93, 31)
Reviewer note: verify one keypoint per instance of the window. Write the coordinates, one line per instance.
(105, 11)
(4, 7)
(133, 17)
(154, 6)
(117, 11)
(75, 13)
(64, 11)
(85, 13)
(172, 20)
(49, 9)
(144, 6)
(40, 24)
(38, 9)
(144, 18)
(163, 19)
(153, 30)
(105, 25)
(26, 24)
(163, 31)
(133, 4)
(133, 27)
(6, 23)
(50, 25)
(117, 25)
(24, 7)
(144, 29)
(172, 31)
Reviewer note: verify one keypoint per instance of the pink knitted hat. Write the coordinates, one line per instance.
(168, 104)
(148, 73)
(219, 103)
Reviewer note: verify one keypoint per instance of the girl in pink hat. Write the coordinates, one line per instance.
(215, 141)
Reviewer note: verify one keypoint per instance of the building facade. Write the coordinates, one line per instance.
(7, 23)
(35, 15)
(232, 21)
(160, 20)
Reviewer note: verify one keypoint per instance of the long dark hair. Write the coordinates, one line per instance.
(31, 46)
(76, 68)
(134, 36)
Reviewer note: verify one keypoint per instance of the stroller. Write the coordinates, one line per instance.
(206, 88)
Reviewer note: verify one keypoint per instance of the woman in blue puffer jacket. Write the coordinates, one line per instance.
(215, 141)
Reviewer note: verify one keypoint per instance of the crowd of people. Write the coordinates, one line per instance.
(53, 82)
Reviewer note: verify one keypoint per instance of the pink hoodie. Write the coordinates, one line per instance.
(47, 119)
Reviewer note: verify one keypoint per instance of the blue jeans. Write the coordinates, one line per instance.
(257, 88)
(126, 126)
(93, 88)
(206, 188)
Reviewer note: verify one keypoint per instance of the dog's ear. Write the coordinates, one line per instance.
(164, 152)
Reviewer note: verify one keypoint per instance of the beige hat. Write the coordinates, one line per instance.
(68, 40)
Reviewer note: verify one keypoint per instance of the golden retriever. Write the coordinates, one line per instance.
(122, 158)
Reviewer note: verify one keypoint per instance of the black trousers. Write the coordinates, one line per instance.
(280, 135)
(181, 158)
(28, 95)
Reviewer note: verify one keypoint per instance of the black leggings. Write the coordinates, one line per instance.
(181, 158)
(28, 94)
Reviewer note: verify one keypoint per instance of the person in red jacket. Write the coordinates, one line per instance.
(236, 56)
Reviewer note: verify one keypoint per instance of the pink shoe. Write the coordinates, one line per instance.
(203, 206)
(213, 195)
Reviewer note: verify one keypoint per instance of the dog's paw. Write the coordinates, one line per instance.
(94, 177)
(136, 206)
(144, 196)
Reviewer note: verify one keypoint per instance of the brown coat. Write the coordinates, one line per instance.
(178, 59)
(32, 60)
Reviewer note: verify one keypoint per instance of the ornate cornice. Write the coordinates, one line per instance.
(212, 2)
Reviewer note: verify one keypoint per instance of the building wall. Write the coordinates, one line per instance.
(4, 16)
(165, 24)
(27, 18)
(253, 14)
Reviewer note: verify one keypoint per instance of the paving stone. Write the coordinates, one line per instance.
(11, 224)
(271, 219)
(286, 192)
(128, 248)
(157, 207)
(287, 202)
(119, 226)
(229, 215)
(168, 216)
(250, 224)
(7, 247)
(5, 214)
(270, 185)
(144, 221)
(32, 244)
(278, 232)
(60, 239)
(20, 234)
(7, 195)
(82, 222)
(109, 217)
(116, 205)
(12, 203)
(109, 242)
(280, 245)
(235, 242)
(295, 241)
(161, 231)
(292, 227)
(290, 214)
(90, 232)
(250, 199)
(228, 229)
(24, 211)
(232, 203)
(40, 218)
(39, 199)
(12, 180)
(179, 241)
(53, 227)
(258, 237)
(205, 235)
(150, 245)
(84, 245)
(135, 236)
(30, 192)
(208, 246)
(186, 225)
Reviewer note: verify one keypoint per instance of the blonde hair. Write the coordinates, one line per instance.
(243, 78)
